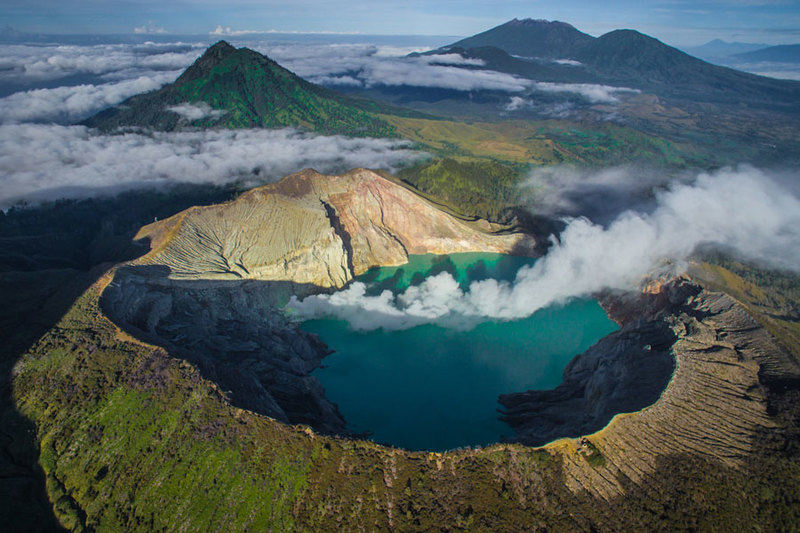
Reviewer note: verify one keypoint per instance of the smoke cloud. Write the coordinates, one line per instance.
(599, 195)
(743, 209)
(46, 162)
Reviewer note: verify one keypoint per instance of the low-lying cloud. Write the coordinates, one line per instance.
(594, 93)
(65, 105)
(744, 210)
(196, 111)
(46, 162)
(543, 108)
(421, 73)
(368, 65)
(25, 63)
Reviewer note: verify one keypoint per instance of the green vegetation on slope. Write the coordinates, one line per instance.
(48, 256)
(247, 90)
(481, 188)
(129, 432)
(478, 166)
(545, 142)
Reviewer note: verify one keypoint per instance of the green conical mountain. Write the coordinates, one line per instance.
(240, 88)
(530, 38)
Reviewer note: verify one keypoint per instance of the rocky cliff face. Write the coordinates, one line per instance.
(314, 229)
(715, 404)
(210, 288)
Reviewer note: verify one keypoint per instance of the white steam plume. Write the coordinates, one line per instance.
(742, 209)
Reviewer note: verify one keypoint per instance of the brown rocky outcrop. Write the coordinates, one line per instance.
(315, 229)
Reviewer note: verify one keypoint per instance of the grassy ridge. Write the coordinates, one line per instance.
(544, 142)
(127, 432)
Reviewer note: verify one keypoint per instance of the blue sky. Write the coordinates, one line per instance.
(678, 22)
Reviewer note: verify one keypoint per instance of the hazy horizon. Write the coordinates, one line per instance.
(676, 22)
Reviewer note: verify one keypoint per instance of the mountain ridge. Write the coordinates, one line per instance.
(530, 38)
(241, 88)
(620, 57)
(783, 53)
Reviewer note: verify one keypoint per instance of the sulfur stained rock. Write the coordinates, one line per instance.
(314, 229)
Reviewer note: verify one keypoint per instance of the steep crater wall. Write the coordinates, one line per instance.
(718, 403)
(234, 335)
(212, 287)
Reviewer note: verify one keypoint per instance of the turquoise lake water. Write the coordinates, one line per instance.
(434, 388)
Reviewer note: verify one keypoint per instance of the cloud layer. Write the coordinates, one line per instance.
(24, 63)
(67, 83)
(45, 162)
(741, 209)
(65, 105)
(367, 65)
(197, 111)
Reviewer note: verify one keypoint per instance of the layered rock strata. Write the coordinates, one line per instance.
(715, 404)
(315, 229)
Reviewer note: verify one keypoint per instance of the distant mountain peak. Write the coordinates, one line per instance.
(628, 34)
(533, 23)
(530, 38)
(212, 57)
(218, 51)
(220, 46)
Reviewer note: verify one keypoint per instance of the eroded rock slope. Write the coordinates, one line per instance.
(316, 229)
(715, 404)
